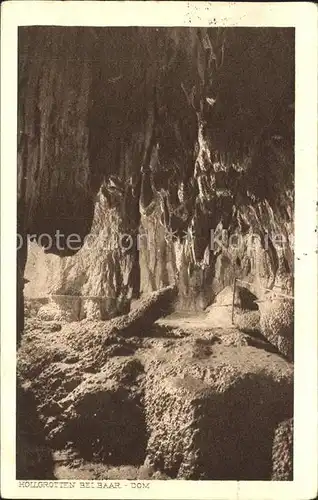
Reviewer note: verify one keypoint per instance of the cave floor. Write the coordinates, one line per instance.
(67, 467)
(167, 331)
(198, 320)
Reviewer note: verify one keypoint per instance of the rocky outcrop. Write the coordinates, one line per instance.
(283, 451)
(240, 310)
(100, 275)
(277, 324)
(189, 149)
(103, 416)
(60, 309)
(157, 161)
(201, 405)
(243, 298)
(156, 306)
(34, 458)
(212, 411)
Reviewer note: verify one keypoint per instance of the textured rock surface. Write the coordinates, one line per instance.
(103, 416)
(168, 167)
(154, 147)
(71, 466)
(243, 298)
(32, 306)
(34, 458)
(243, 312)
(277, 325)
(62, 309)
(190, 403)
(212, 411)
(283, 451)
(86, 378)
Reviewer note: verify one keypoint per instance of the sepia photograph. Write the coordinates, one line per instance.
(155, 259)
(155, 268)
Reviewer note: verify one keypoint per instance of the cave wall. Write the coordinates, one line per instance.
(163, 135)
(53, 163)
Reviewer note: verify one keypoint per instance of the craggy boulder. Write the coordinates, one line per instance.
(61, 309)
(283, 451)
(103, 416)
(243, 298)
(53, 361)
(151, 308)
(34, 458)
(211, 410)
(196, 139)
(277, 325)
(245, 314)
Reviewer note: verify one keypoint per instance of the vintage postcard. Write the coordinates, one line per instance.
(158, 250)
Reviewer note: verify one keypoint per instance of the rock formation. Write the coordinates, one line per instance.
(153, 157)
(155, 166)
(193, 406)
(283, 451)
(34, 458)
(207, 407)
(277, 324)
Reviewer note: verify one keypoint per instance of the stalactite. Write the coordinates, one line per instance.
(145, 111)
